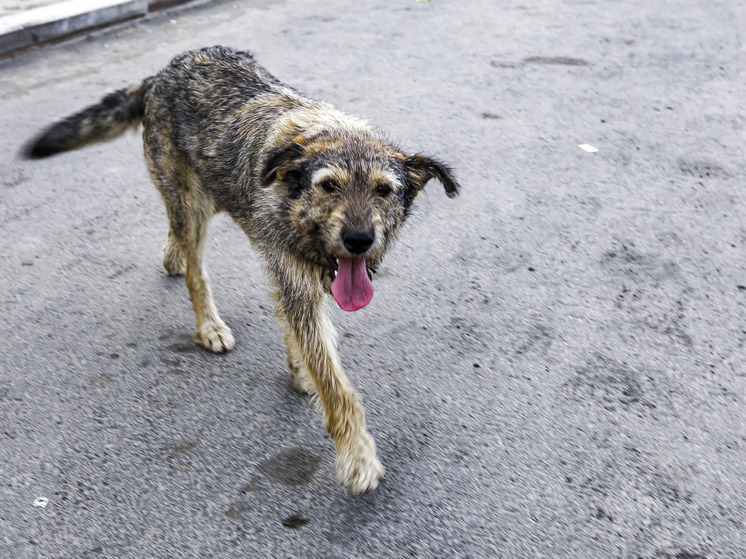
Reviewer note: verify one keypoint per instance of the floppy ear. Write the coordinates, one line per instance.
(280, 159)
(421, 169)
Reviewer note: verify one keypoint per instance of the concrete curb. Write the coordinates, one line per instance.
(53, 22)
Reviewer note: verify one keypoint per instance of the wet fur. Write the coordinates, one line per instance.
(222, 134)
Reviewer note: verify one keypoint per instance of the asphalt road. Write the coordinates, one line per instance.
(552, 365)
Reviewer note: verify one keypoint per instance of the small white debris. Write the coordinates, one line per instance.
(41, 502)
(172, 21)
(588, 147)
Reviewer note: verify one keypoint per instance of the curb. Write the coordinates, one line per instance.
(45, 24)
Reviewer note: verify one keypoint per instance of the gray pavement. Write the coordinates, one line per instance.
(552, 364)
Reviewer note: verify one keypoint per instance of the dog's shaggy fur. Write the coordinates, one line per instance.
(320, 194)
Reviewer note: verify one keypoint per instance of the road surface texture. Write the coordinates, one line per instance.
(552, 365)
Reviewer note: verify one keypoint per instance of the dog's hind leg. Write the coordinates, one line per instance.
(312, 340)
(189, 208)
(212, 333)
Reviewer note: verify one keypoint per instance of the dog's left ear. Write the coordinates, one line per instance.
(421, 169)
(280, 159)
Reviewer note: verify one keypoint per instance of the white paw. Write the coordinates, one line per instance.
(172, 260)
(358, 468)
(215, 337)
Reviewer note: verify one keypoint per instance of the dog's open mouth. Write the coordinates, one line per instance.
(351, 286)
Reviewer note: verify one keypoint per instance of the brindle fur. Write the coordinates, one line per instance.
(222, 134)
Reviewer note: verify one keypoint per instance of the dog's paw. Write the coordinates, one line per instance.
(358, 468)
(172, 260)
(215, 337)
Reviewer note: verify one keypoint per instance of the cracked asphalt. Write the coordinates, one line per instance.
(552, 365)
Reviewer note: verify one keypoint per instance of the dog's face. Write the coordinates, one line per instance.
(346, 194)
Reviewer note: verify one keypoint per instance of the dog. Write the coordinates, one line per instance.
(320, 194)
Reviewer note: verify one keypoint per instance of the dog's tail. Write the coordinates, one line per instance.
(106, 120)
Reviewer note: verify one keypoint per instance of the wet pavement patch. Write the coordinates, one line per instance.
(235, 510)
(608, 382)
(179, 456)
(294, 466)
(295, 521)
(542, 60)
(186, 347)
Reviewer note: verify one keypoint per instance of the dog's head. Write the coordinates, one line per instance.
(346, 194)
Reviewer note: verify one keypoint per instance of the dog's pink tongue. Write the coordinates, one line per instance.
(351, 288)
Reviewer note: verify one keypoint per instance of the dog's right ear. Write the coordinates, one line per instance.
(280, 159)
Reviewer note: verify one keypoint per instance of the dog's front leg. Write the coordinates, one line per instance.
(312, 340)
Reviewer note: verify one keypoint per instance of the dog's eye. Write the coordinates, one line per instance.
(383, 190)
(330, 185)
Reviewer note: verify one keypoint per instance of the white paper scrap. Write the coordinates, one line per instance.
(41, 502)
(588, 147)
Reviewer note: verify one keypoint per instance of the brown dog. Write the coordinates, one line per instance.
(320, 194)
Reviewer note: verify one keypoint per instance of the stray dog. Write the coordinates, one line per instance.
(319, 193)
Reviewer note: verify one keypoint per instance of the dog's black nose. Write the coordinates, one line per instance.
(357, 242)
